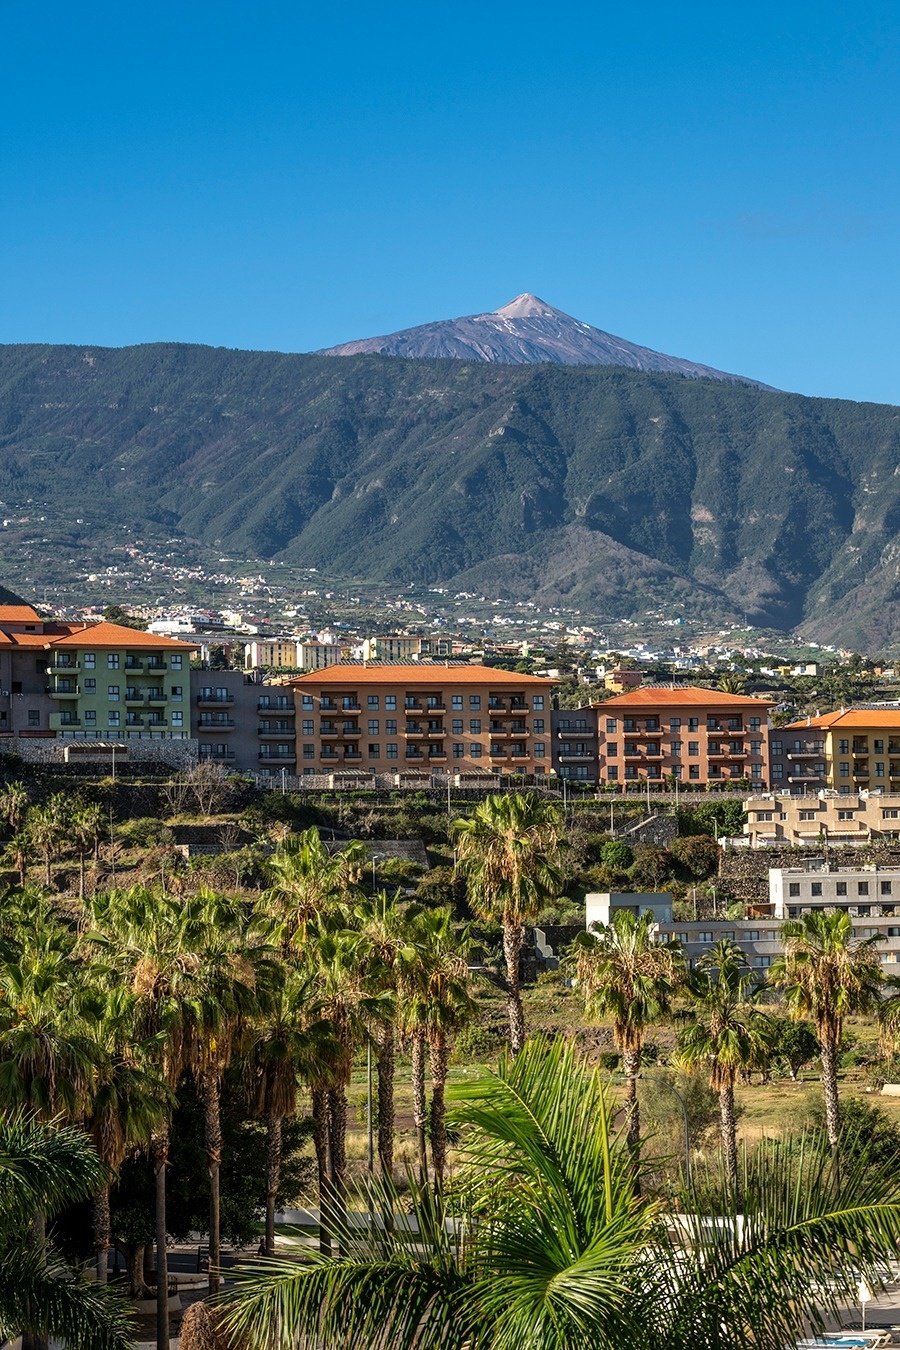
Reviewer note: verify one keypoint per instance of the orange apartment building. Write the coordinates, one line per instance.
(693, 735)
(385, 718)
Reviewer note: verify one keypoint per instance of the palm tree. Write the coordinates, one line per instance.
(826, 975)
(43, 1168)
(506, 849)
(437, 1001)
(627, 973)
(14, 805)
(46, 831)
(152, 942)
(291, 1041)
(550, 1247)
(307, 880)
(726, 1032)
(19, 851)
(83, 829)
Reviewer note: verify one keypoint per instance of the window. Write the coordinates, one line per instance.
(629, 724)
(112, 660)
(612, 773)
(806, 815)
(374, 751)
(537, 726)
(456, 702)
(845, 815)
(390, 726)
(540, 751)
(705, 937)
(309, 751)
(537, 702)
(90, 685)
(816, 888)
(878, 747)
(890, 814)
(474, 700)
(306, 702)
(610, 725)
(459, 750)
(112, 719)
(456, 726)
(755, 724)
(40, 665)
(693, 724)
(652, 724)
(763, 816)
(793, 888)
(391, 749)
(843, 747)
(693, 747)
(777, 747)
(762, 962)
(475, 750)
(372, 701)
(90, 717)
(177, 719)
(677, 771)
(674, 723)
(177, 693)
(373, 726)
(840, 888)
(751, 935)
(885, 887)
(612, 749)
(112, 693)
(308, 727)
(90, 660)
(694, 771)
(862, 888)
(755, 747)
(777, 772)
(676, 747)
(844, 769)
(34, 717)
(474, 726)
(390, 702)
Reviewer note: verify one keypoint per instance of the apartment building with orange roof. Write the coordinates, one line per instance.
(383, 718)
(695, 736)
(847, 751)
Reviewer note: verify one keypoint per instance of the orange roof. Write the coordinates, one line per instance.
(692, 696)
(416, 674)
(849, 717)
(19, 614)
(117, 635)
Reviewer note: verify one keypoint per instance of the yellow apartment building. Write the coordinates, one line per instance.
(848, 750)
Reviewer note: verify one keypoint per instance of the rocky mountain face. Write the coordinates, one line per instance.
(611, 489)
(524, 331)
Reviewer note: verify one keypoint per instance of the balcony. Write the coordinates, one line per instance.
(564, 733)
(435, 707)
(280, 729)
(210, 699)
(349, 708)
(284, 707)
(60, 665)
(152, 722)
(806, 754)
(64, 691)
(349, 733)
(221, 724)
(283, 757)
(132, 721)
(413, 707)
(352, 756)
(499, 752)
(63, 722)
(414, 733)
(156, 698)
(134, 698)
(514, 710)
(207, 753)
(582, 757)
(437, 757)
(148, 666)
(433, 732)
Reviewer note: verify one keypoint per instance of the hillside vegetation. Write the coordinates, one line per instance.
(615, 489)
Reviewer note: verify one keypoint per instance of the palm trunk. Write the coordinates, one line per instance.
(728, 1126)
(273, 1176)
(160, 1149)
(134, 1259)
(212, 1119)
(337, 1112)
(81, 874)
(631, 1062)
(101, 1233)
(31, 1339)
(322, 1142)
(439, 1059)
(386, 1102)
(830, 1089)
(513, 937)
(419, 1107)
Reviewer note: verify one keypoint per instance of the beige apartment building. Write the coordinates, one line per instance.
(459, 719)
(399, 647)
(690, 735)
(783, 819)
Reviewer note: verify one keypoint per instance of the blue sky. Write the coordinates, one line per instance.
(716, 181)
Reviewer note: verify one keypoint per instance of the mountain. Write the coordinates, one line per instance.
(524, 331)
(610, 489)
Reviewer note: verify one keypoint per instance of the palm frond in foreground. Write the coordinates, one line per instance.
(549, 1248)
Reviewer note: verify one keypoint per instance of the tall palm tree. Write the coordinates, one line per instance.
(83, 828)
(726, 1032)
(507, 850)
(629, 974)
(826, 975)
(153, 942)
(549, 1247)
(14, 805)
(307, 880)
(46, 828)
(437, 1001)
(291, 1041)
(44, 1167)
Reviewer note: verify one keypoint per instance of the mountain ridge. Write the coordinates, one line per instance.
(526, 330)
(606, 488)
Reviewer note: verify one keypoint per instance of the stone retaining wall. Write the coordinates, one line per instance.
(745, 872)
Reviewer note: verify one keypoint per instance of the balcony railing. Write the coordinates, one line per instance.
(222, 724)
(283, 706)
(211, 698)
